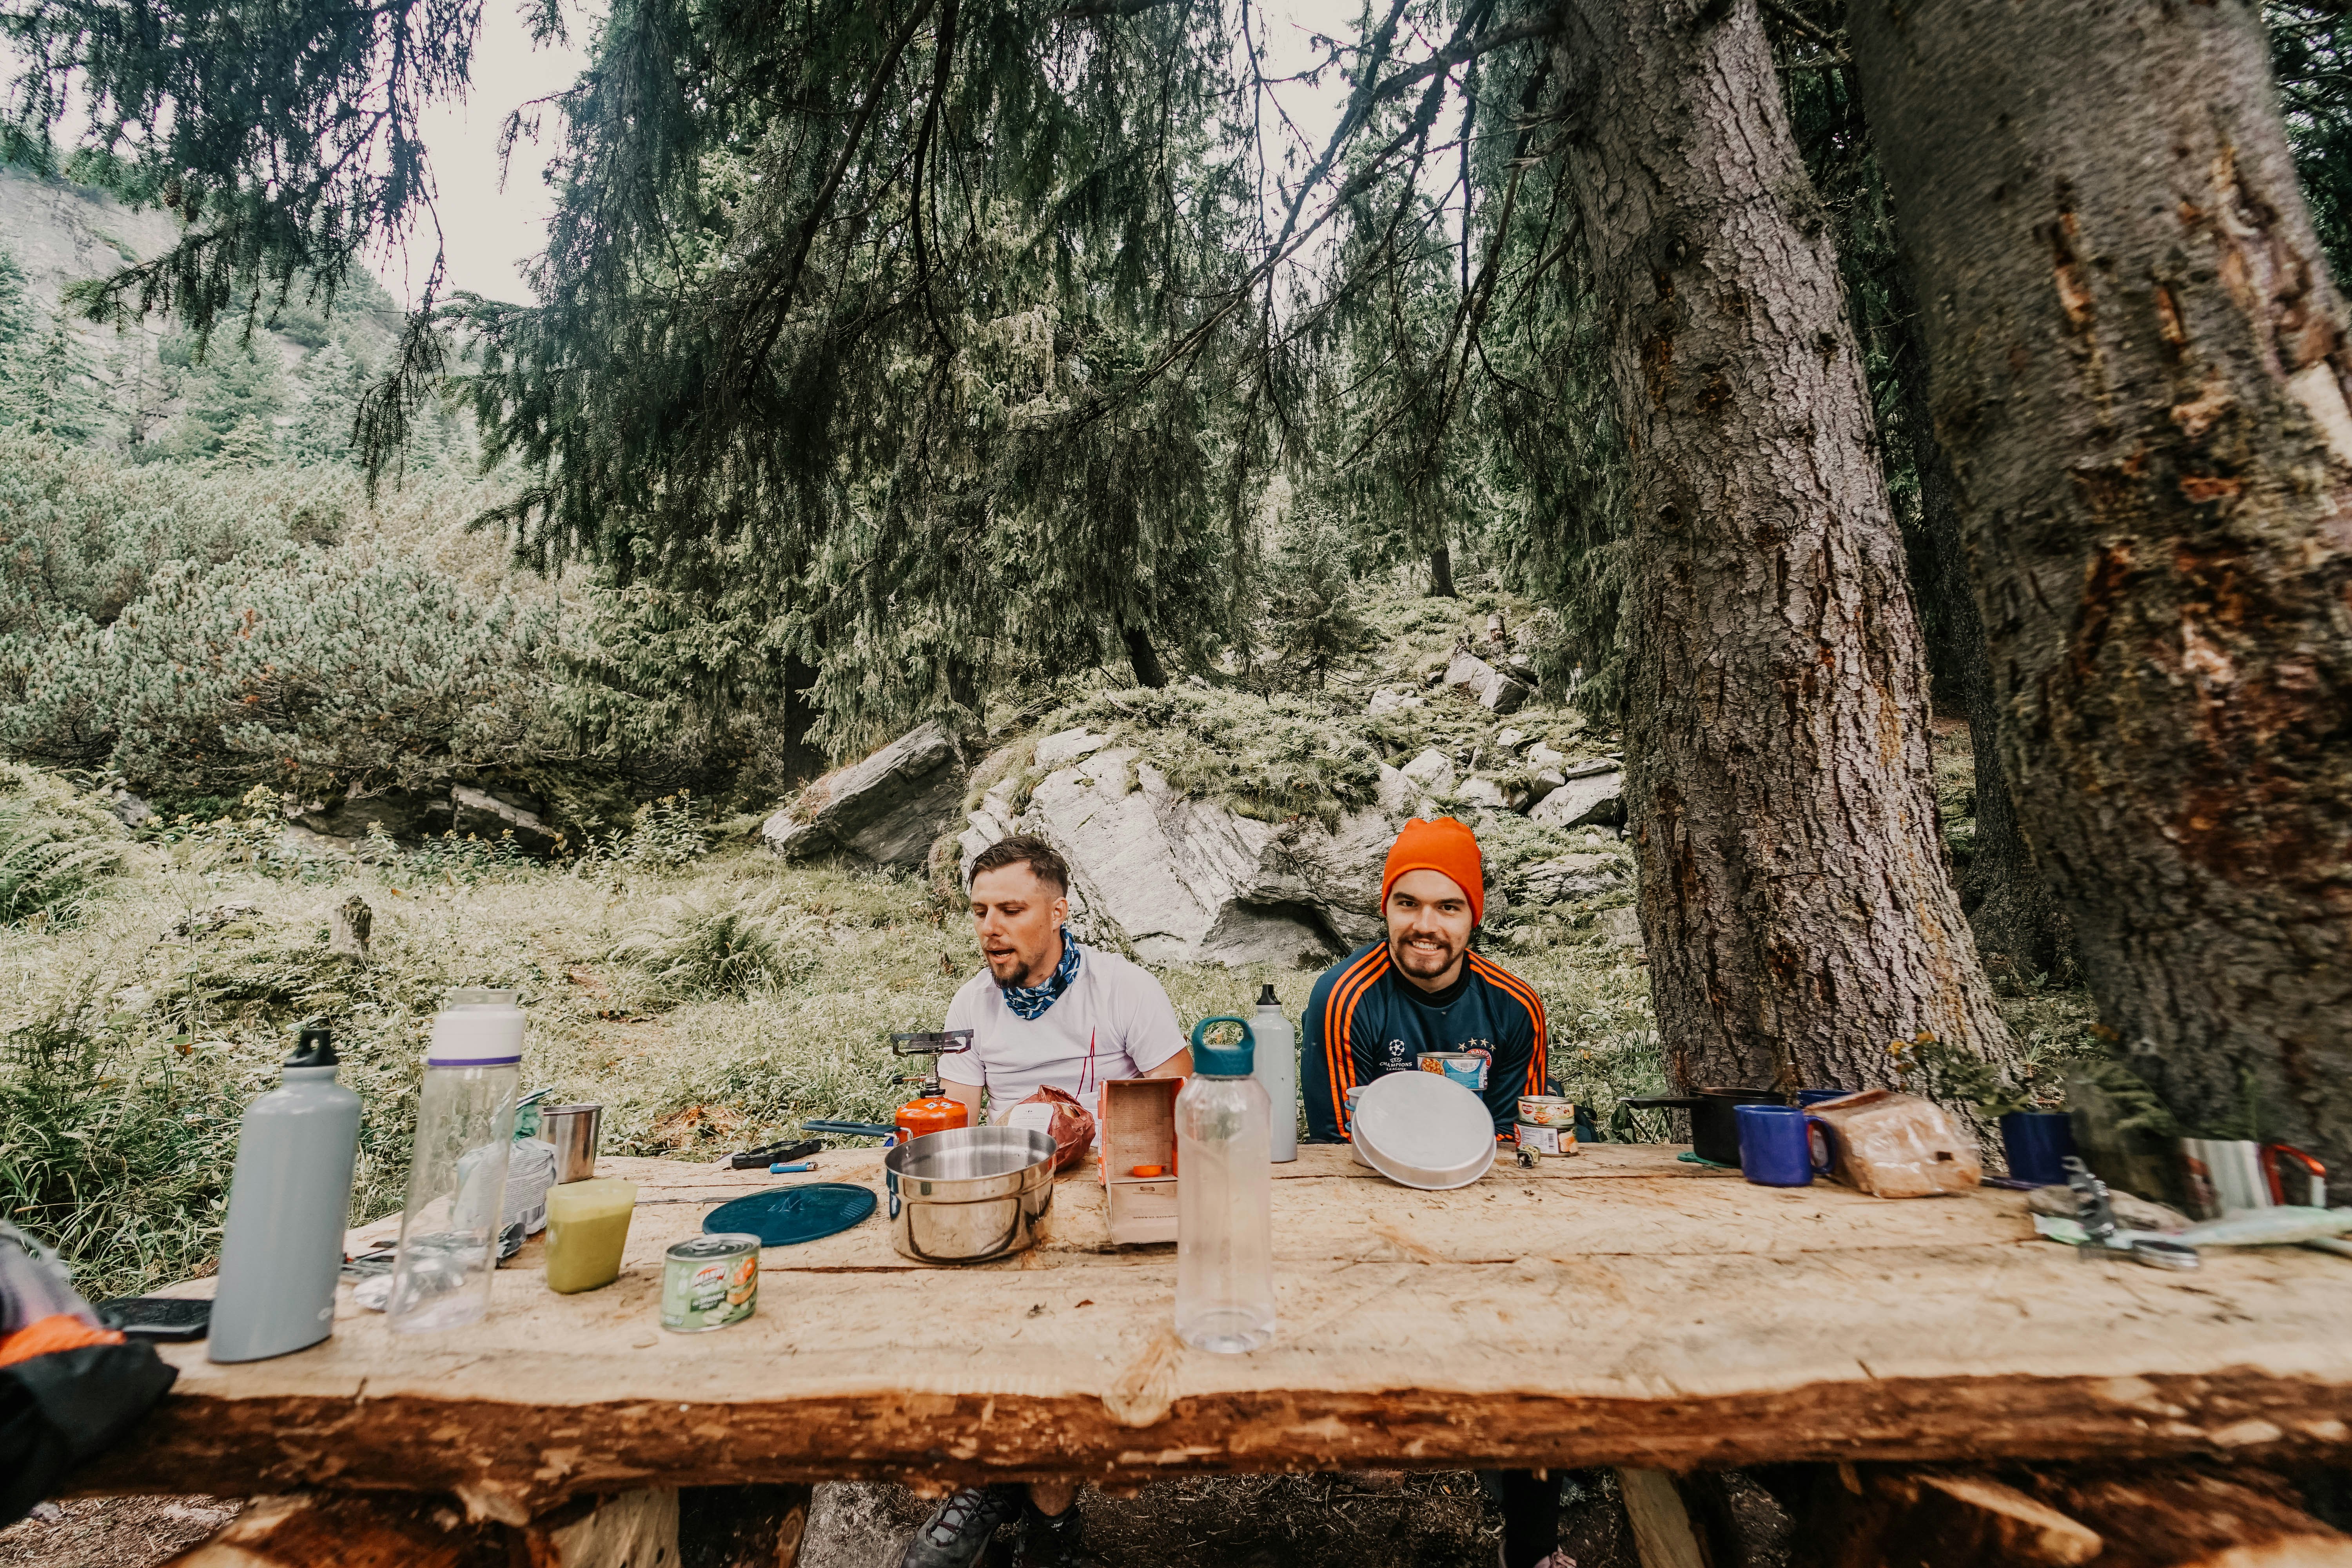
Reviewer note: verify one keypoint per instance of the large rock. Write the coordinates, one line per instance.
(1474, 678)
(888, 808)
(1180, 880)
(1431, 771)
(408, 816)
(1571, 876)
(1619, 927)
(486, 814)
(1592, 792)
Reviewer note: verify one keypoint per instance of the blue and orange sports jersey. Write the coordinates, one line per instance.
(1364, 1019)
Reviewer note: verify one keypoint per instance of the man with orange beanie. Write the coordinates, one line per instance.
(1422, 989)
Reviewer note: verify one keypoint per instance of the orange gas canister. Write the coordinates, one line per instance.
(931, 1112)
(931, 1109)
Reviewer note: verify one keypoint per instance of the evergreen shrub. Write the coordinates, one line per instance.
(298, 666)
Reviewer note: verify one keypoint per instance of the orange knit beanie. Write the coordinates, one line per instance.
(1446, 848)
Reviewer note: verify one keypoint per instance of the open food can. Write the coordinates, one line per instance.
(1467, 1069)
(709, 1282)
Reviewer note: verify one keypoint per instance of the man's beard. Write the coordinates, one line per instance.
(1423, 962)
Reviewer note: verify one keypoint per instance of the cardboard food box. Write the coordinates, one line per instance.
(1135, 1124)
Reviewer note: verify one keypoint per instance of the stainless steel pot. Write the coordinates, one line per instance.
(968, 1193)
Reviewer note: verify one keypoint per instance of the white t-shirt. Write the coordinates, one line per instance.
(1113, 1022)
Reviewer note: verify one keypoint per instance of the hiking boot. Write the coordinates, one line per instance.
(1055, 1541)
(960, 1529)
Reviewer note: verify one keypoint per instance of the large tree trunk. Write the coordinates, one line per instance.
(1795, 894)
(2018, 923)
(1149, 671)
(1441, 572)
(2139, 375)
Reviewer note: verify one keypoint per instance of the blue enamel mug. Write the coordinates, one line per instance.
(1776, 1146)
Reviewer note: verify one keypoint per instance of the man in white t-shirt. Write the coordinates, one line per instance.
(1044, 1011)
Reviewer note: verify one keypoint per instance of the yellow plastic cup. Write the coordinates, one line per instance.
(587, 1228)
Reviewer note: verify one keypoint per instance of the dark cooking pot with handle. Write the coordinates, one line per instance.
(1714, 1117)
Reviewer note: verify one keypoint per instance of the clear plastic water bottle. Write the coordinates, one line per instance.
(458, 1176)
(1224, 1199)
(288, 1203)
(1276, 1045)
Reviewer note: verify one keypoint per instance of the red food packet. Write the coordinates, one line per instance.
(1060, 1118)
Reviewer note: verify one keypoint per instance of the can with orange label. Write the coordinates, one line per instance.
(709, 1282)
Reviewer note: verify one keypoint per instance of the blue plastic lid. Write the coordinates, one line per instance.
(786, 1216)
(1223, 1061)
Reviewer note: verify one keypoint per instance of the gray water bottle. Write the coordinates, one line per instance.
(290, 1201)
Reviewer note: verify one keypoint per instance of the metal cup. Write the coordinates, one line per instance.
(573, 1130)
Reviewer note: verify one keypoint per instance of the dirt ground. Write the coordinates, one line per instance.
(1376, 1521)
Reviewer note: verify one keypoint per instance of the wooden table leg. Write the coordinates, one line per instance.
(1662, 1533)
(742, 1527)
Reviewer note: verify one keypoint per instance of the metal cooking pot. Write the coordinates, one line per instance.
(1714, 1118)
(968, 1193)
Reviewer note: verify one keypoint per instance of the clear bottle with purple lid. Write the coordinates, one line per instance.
(457, 1176)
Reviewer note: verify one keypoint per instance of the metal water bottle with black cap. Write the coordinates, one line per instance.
(449, 1233)
(1224, 1199)
(290, 1199)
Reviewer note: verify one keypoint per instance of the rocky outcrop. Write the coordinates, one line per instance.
(1588, 794)
(887, 810)
(1176, 879)
(408, 816)
(1619, 927)
(1471, 677)
(1569, 876)
(487, 813)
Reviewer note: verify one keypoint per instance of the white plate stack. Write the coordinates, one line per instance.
(1423, 1129)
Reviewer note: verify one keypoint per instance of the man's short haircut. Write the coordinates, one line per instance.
(1043, 862)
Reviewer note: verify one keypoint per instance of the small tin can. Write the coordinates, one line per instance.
(1467, 1069)
(1544, 1138)
(1546, 1110)
(708, 1282)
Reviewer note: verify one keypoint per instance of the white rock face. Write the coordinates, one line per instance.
(1067, 746)
(1549, 780)
(1585, 795)
(1481, 790)
(1180, 880)
(1387, 701)
(1619, 927)
(1471, 677)
(1509, 739)
(888, 808)
(1571, 876)
(1540, 755)
(1432, 771)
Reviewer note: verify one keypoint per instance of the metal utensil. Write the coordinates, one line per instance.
(573, 1130)
(2095, 1213)
(968, 1193)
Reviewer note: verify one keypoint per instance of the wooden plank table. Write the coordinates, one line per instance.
(1617, 1308)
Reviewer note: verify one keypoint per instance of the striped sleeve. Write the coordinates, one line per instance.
(1330, 1044)
(1538, 1045)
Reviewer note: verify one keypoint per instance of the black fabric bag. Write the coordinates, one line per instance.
(60, 1409)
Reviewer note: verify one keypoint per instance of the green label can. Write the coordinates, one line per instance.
(709, 1282)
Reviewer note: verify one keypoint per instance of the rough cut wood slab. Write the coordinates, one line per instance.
(1618, 1307)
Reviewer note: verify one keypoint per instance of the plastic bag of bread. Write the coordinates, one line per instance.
(1069, 1124)
(1894, 1145)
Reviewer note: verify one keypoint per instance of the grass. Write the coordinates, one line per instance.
(707, 1008)
(707, 997)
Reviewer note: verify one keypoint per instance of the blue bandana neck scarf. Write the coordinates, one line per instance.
(1030, 1002)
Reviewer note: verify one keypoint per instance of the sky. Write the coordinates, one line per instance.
(489, 233)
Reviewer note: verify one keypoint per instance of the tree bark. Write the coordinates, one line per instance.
(2018, 925)
(1149, 671)
(1441, 572)
(1796, 896)
(2139, 374)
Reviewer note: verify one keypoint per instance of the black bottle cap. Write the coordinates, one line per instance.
(1266, 998)
(314, 1047)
